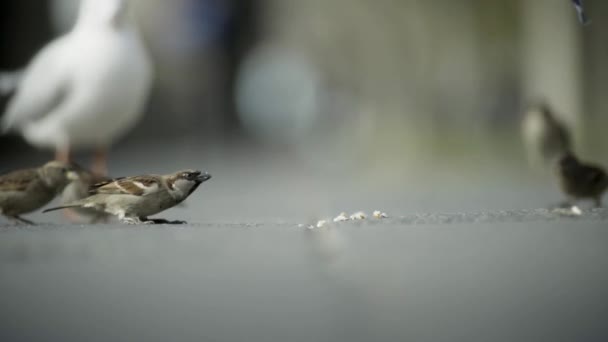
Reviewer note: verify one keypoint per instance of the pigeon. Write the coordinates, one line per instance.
(27, 190)
(580, 180)
(133, 199)
(85, 89)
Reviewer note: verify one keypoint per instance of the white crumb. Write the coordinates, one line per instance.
(572, 211)
(358, 216)
(379, 215)
(321, 223)
(341, 218)
(576, 210)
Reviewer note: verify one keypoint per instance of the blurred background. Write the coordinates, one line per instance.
(335, 105)
(302, 109)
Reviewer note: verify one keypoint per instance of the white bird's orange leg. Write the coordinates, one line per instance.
(100, 162)
(63, 154)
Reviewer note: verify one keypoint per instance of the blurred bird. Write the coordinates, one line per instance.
(85, 89)
(133, 199)
(24, 191)
(9, 81)
(580, 180)
(79, 189)
(545, 137)
(580, 10)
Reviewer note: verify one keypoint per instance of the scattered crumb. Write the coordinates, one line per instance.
(358, 216)
(379, 215)
(321, 223)
(310, 226)
(572, 211)
(341, 218)
(301, 225)
(576, 210)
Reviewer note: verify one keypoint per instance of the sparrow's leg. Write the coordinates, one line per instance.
(100, 219)
(71, 216)
(100, 162)
(63, 154)
(21, 220)
(598, 202)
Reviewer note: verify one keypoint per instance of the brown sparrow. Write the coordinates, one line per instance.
(580, 180)
(24, 191)
(545, 137)
(133, 199)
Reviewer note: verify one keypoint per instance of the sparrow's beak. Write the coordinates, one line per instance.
(203, 177)
(72, 176)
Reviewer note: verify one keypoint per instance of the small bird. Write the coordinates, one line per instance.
(24, 191)
(580, 180)
(85, 89)
(545, 137)
(133, 199)
(79, 189)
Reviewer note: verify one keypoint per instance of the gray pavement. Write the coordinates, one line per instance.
(530, 276)
(461, 258)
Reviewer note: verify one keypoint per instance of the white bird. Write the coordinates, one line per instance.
(85, 89)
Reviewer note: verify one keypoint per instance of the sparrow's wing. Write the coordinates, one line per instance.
(137, 185)
(44, 86)
(595, 175)
(18, 180)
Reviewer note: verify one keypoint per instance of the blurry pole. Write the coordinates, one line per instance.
(552, 63)
(596, 65)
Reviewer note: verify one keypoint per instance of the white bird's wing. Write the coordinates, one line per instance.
(9, 81)
(45, 84)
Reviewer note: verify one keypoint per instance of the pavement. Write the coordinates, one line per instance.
(460, 258)
(493, 276)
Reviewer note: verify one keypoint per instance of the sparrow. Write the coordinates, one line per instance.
(85, 89)
(580, 180)
(133, 199)
(79, 189)
(24, 191)
(544, 136)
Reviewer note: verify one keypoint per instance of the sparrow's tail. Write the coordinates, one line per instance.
(62, 207)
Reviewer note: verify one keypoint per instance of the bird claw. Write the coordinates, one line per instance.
(21, 221)
(135, 220)
(164, 221)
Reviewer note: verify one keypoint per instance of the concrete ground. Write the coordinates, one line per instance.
(395, 280)
(459, 259)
